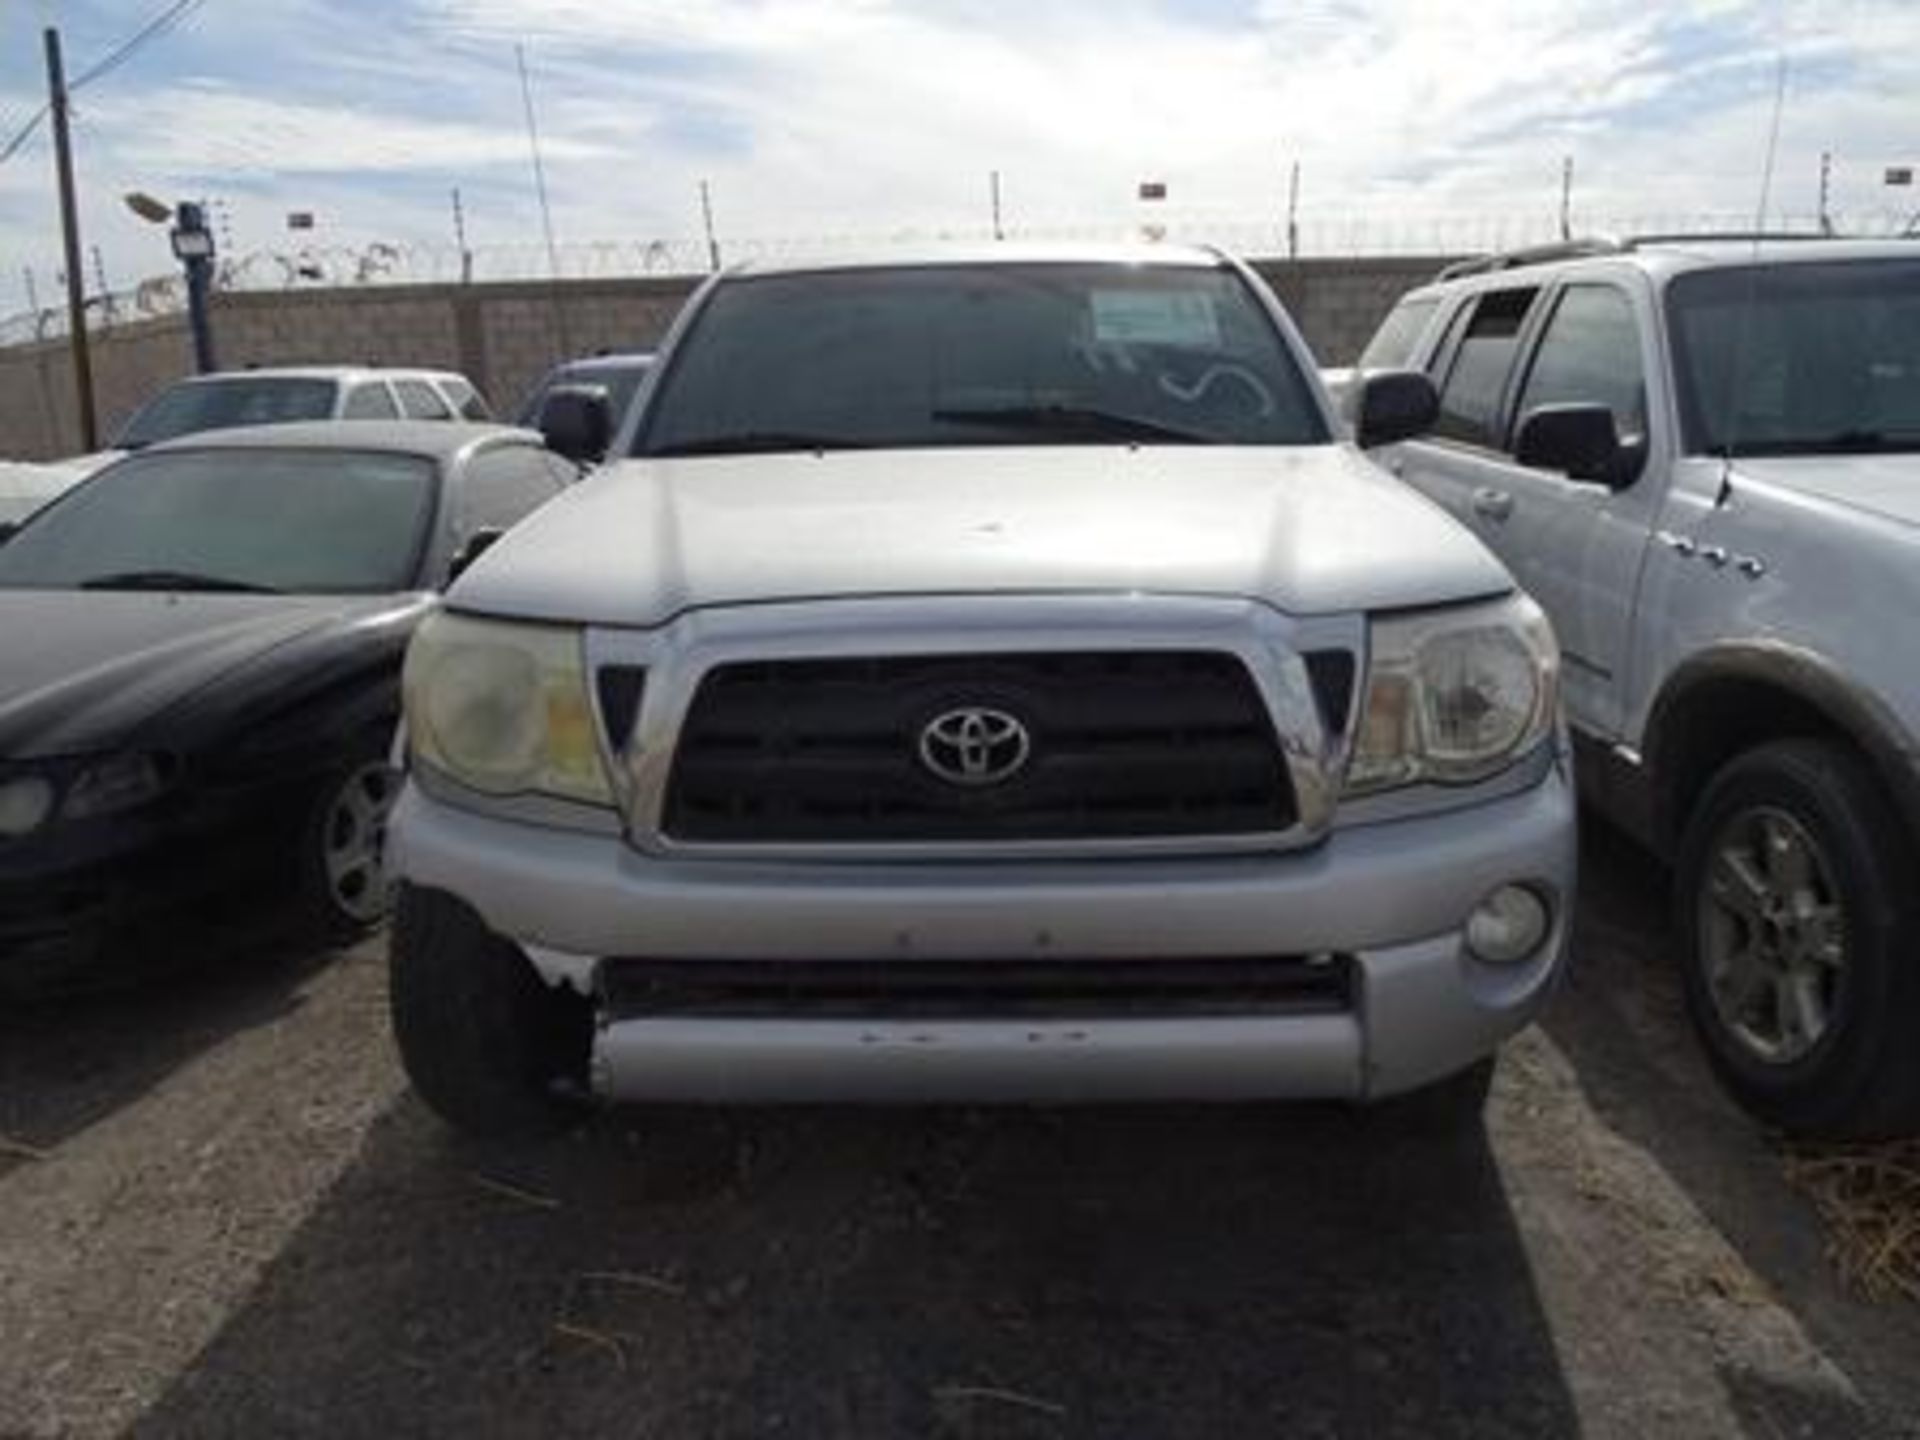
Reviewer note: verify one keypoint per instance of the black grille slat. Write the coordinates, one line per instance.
(929, 989)
(1124, 745)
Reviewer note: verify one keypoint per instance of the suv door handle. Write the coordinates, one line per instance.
(1494, 504)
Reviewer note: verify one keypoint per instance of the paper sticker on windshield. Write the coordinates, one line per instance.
(1155, 317)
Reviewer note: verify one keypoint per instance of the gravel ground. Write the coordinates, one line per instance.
(222, 1214)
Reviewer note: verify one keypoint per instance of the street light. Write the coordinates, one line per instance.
(193, 248)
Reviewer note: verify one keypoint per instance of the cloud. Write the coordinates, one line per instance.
(813, 119)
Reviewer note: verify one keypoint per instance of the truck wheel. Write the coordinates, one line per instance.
(487, 1044)
(1794, 900)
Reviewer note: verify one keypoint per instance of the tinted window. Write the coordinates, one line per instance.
(1799, 359)
(466, 399)
(370, 402)
(421, 401)
(198, 405)
(1393, 343)
(302, 520)
(502, 486)
(1470, 398)
(982, 355)
(1590, 355)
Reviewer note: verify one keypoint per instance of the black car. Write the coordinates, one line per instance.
(200, 654)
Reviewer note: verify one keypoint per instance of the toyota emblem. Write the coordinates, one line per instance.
(975, 746)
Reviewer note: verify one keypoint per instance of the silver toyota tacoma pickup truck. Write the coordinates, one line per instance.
(982, 676)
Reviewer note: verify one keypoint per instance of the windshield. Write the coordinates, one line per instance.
(981, 355)
(321, 521)
(198, 405)
(1799, 359)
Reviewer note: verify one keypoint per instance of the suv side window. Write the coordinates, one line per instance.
(1477, 376)
(370, 401)
(1392, 345)
(421, 401)
(466, 400)
(503, 485)
(1590, 355)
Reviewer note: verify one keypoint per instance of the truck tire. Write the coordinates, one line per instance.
(487, 1044)
(1794, 898)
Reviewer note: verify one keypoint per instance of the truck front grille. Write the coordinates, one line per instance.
(990, 989)
(1122, 745)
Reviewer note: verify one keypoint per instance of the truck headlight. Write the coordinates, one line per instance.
(503, 708)
(1455, 695)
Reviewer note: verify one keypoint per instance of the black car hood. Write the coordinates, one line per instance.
(83, 671)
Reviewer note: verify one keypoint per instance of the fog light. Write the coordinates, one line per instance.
(1508, 926)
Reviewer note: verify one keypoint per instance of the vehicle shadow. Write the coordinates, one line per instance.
(1181, 1271)
(68, 1062)
(1621, 1023)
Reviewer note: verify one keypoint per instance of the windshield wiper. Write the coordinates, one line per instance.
(174, 580)
(1083, 421)
(758, 442)
(1841, 442)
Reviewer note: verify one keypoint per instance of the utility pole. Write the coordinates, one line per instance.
(1566, 198)
(999, 231)
(1293, 213)
(1826, 182)
(460, 238)
(100, 284)
(70, 234)
(706, 213)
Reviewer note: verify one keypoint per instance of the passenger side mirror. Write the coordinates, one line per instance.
(577, 422)
(1394, 405)
(476, 545)
(1578, 440)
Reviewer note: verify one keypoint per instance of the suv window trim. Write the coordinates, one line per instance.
(1447, 355)
(1556, 295)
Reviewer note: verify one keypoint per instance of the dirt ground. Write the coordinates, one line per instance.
(222, 1214)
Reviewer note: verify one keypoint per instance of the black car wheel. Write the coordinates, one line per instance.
(487, 1044)
(343, 854)
(1795, 903)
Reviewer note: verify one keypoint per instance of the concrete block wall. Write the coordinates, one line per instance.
(504, 336)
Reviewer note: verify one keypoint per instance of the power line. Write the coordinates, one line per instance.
(159, 25)
(167, 19)
(20, 136)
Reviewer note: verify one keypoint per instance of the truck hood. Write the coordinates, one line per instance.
(1306, 529)
(1885, 485)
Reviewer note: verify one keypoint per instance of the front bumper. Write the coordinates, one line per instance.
(1395, 897)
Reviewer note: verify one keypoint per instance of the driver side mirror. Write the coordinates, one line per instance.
(576, 421)
(475, 545)
(1580, 441)
(1393, 405)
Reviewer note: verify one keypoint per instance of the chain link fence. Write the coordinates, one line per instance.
(1319, 237)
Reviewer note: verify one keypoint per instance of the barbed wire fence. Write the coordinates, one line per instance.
(333, 267)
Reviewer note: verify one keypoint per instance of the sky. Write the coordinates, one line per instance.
(818, 121)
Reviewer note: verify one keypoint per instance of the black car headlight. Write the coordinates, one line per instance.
(115, 783)
(25, 803)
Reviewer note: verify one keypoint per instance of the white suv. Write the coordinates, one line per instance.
(1703, 459)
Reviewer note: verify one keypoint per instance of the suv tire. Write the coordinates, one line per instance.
(1794, 902)
(487, 1044)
